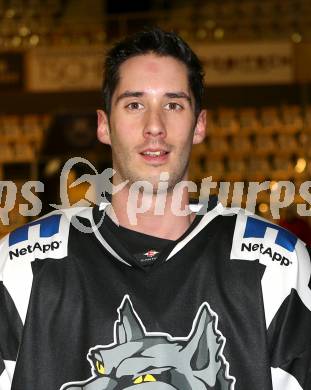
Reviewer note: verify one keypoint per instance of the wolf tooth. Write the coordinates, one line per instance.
(275, 256)
(35, 247)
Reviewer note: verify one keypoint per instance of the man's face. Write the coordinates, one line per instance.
(152, 123)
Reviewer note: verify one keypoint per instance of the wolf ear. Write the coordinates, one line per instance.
(128, 328)
(202, 341)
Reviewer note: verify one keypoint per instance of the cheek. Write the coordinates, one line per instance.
(183, 139)
(181, 125)
(122, 133)
(125, 130)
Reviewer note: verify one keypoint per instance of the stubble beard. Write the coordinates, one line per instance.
(125, 173)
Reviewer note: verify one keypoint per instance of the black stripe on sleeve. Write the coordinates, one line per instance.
(11, 326)
(2, 366)
(309, 251)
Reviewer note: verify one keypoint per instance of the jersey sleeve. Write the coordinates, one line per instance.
(10, 337)
(5, 380)
(45, 238)
(11, 325)
(289, 332)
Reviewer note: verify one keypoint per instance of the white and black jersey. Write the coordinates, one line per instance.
(225, 307)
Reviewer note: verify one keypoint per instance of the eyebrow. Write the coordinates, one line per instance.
(127, 94)
(171, 95)
(178, 95)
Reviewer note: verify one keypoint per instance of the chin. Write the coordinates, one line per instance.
(155, 185)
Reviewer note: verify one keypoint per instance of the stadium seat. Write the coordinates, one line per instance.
(217, 146)
(227, 122)
(286, 144)
(292, 119)
(11, 127)
(240, 145)
(214, 168)
(236, 170)
(259, 169)
(283, 168)
(270, 120)
(263, 144)
(249, 122)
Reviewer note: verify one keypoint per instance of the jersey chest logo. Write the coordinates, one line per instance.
(151, 360)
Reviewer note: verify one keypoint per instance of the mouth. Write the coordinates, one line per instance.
(155, 156)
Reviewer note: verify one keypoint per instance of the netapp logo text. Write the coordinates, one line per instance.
(44, 248)
(275, 256)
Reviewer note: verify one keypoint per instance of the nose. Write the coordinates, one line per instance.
(154, 125)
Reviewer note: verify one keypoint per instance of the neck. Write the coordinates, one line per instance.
(157, 215)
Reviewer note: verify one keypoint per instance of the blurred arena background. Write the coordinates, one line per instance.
(257, 59)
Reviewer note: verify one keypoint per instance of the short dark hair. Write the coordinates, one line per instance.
(159, 42)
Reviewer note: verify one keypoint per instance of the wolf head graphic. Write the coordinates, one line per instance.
(140, 360)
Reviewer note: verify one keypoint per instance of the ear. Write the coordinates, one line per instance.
(103, 133)
(204, 351)
(128, 328)
(202, 344)
(200, 128)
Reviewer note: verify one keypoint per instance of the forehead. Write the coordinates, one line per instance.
(153, 71)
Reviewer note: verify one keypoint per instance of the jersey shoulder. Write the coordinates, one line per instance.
(255, 238)
(46, 237)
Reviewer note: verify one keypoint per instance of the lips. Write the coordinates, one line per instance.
(156, 156)
(155, 153)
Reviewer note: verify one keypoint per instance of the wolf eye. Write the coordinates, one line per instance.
(144, 378)
(100, 367)
(138, 380)
(149, 378)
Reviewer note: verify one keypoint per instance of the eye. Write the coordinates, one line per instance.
(144, 378)
(100, 367)
(172, 106)
(134, 106)
(149, 378)
(138, 380)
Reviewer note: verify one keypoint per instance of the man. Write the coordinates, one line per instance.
(165, 299)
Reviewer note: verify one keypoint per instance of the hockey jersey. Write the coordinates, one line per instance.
(227, 306)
